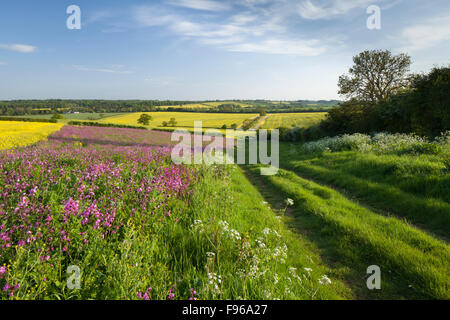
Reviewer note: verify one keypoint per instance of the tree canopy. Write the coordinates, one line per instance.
(375, 76)
(145, 119)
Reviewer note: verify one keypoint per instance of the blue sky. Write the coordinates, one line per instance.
(206, 49)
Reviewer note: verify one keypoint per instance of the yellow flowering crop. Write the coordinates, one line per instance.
(15, 134)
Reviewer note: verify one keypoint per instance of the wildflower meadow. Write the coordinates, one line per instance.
(113, 207)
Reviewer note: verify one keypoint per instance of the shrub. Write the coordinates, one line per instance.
(383, 143)
(98, 124)
(27, 119)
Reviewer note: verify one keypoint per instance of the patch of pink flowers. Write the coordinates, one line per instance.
(145, 295)
(59, 196)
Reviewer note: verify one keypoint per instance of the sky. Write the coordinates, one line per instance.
(206, 49)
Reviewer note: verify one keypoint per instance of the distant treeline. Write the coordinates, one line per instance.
(34, 107)
(23, 107)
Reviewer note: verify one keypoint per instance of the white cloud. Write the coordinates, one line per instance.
(23, 48)
(113, 69)
(2, 63)
(425, 35)
(308, 10)
(205, 5)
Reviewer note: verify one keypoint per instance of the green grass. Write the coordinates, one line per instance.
(414, 264)
(414, 187)
(370, 208)
(229, 196)
(177, 253)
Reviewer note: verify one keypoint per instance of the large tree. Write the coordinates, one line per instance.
(375, 76)
(145, 119)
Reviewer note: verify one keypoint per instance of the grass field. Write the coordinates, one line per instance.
(184, 119)
(17, 134)
(289, 120)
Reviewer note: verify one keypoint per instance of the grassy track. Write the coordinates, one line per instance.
(414, 264)
(246, 210)
(363, 209)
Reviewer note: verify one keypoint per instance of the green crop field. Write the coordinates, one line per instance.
(289, 120)
(74, 116)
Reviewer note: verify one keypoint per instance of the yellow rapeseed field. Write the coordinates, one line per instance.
(184, 119)
(15, 134)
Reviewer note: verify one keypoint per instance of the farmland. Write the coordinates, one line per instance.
(288, 120)
(16, 134)
(207, 105)
(184, 119)
(75, 116)
(111, 202)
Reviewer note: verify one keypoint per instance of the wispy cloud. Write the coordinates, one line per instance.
(276, 46)
(425, 35)
(113, 69)
(246, 31)
(2, 63)
(23, 48)
(205, 5)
